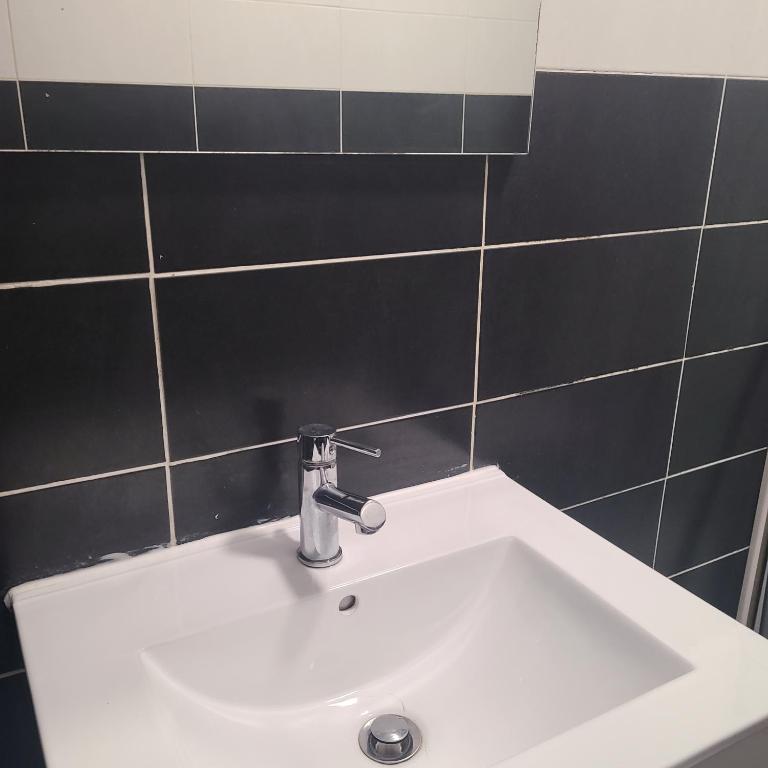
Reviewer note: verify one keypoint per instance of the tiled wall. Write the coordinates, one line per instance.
(155, 313)
(329, 76)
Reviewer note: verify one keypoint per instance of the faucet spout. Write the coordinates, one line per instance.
(367, 514)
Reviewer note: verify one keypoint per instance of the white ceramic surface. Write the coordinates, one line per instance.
(512, 635)
(710, 37)
(7, 66)
(103, 41)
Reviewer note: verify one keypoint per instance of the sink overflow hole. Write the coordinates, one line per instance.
(348, 604)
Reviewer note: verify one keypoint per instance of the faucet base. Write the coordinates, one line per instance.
(319, 563)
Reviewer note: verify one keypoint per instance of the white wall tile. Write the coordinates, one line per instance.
(519, 10)
(665, 36)
(116, 41)
(501, 56)
(750, 58)
(266, 44)
(7, 69)
(405, 52)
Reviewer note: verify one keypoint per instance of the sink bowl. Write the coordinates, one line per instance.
(508, 633)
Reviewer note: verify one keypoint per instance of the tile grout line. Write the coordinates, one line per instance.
(475, 384)
(250, 152)
(580, 238)
(708, 562)
(754, 223)
(194, 118)
(416, 415)
(73, 281)
(284, 441)
(533, 87)
(688, 322)
(220, 454)
(611, 495)
(709, 464)
(598, 377)
(697, 76)
(84, 479)
(231, 452)
(354, 259)
(672, 476)
(18, 79)
(158, 354)
(312, 263)
(724, 351)
(192, 72)
(12, 673)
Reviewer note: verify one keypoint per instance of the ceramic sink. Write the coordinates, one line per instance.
(510, 634)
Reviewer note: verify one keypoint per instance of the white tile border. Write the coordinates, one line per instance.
(688, 322)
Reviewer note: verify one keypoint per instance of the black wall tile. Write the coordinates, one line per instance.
(723, 408)
(561, 312)
(267, 120)
(401, 122)
(10, 651)
(215, 211)
(718, 583)
(79, 392)
(730, 306)
(628, 520)
(11, 135)
(576, 443)
(70, 215)
(100, 116)
(709, 513)
(18, 728)
(740, 181)
(609, 153)
(234, 491)
(250, 356)
(496, 123)
(257, 486)
(71, 526)
(414, 451)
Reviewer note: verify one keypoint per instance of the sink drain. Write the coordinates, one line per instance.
(390, 739)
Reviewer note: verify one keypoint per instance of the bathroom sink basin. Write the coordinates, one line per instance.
(508, 633)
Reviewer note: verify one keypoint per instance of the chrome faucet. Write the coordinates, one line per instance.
(323, 503)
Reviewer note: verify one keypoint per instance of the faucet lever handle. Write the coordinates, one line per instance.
(356, 447)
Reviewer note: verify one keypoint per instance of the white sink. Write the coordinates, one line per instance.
(510, 634)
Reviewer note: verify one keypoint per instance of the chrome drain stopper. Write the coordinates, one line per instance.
(390, 739)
